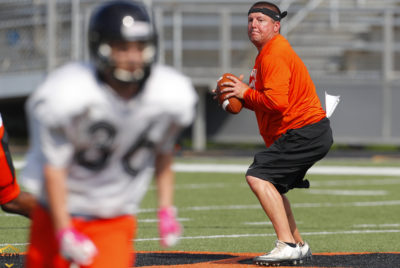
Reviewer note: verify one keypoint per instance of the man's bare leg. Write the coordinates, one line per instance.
(293, 227)
(272, 203)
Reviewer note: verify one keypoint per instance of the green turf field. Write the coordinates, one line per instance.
(339, 213)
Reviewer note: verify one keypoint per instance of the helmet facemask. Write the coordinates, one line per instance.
(125, 70)
(118, 24)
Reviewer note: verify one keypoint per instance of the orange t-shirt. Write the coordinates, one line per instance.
(281, 92)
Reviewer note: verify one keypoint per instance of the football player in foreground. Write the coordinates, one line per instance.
(292, 123)
(99, 132)
(12, 199)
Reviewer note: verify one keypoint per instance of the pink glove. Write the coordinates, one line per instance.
(169, 227)
(76, 247)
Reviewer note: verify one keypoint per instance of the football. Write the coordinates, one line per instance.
(232, 105)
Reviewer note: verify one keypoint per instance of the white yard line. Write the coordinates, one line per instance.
(320, 183)
(14, 244)
(351, 170)
(261, 223)
(265, 223)
(235, 168)
(326, 170)
(352, 232)
(294, 205)
(383, 225)
(355, 232)
(347, 192)
(356, 182)
(156, 220)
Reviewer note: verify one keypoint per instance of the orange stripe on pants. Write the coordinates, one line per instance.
(112, 237)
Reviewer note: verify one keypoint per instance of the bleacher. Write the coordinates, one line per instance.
(206, 38)
(340, 41)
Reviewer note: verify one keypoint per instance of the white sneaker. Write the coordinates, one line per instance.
(281, 254)
(305, 251)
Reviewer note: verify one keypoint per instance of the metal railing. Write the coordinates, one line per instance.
(45, 34)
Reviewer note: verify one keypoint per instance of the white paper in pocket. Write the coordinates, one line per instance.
(330, 103)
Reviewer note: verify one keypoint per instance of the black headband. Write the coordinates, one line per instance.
(270, 13)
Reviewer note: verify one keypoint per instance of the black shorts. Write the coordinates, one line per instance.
(287, 160)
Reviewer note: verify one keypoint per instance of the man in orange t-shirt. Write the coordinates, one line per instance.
(12, 199)
(290, 120)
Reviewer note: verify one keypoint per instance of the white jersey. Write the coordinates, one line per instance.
(107, 144)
